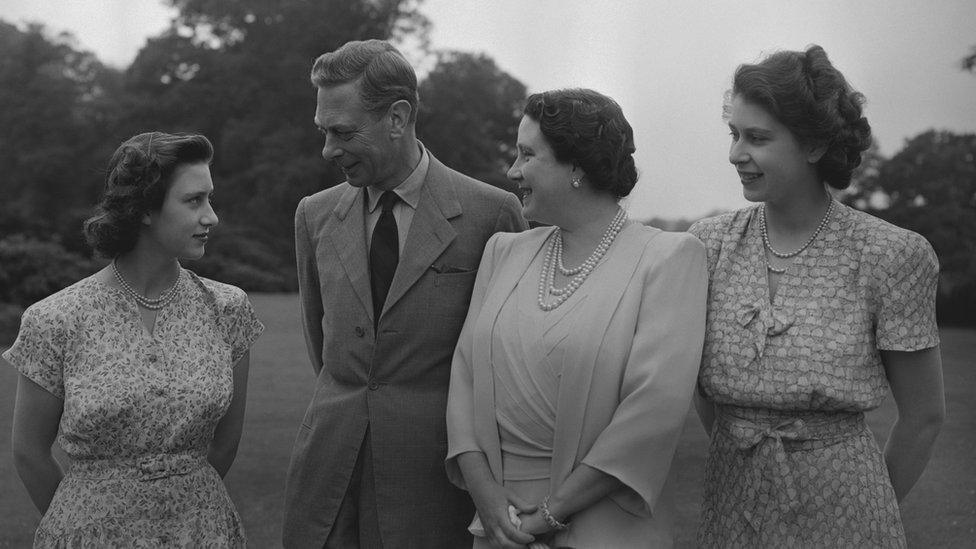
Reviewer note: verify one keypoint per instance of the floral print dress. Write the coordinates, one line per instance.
(791, 462)
(140, 410)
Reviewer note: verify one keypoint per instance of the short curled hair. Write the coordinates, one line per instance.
(805, 93)
(383, 74)
(139, 174)
(588, 129)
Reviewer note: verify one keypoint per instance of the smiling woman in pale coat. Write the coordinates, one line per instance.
(570, 384)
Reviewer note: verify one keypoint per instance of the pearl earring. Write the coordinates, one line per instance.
(576, 183)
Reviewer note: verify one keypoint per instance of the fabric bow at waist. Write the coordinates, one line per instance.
(145, 468)
(765, 435)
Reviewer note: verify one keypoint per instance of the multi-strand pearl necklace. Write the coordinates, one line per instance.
(163, 300)
(554, 261)
(787, 255)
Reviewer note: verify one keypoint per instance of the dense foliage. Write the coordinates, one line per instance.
(930, 187)
(237, 71)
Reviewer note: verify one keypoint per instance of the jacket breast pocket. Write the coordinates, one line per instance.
(454, 279)
(452, 294)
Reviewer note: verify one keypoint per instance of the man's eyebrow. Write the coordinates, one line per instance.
(336, 128)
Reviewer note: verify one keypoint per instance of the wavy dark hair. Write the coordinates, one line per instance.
(138, 176)
(588, 129)
(383, 74)
(807, 94)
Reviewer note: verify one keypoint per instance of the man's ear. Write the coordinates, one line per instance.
(399, 114)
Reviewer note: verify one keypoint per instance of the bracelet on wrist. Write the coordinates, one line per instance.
(551, 520)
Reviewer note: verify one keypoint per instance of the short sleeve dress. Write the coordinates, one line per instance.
(140, 410)
(791, 461)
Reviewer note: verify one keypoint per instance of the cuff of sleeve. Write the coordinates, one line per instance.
(626, 497)
(247, 343)
(32, 374)
(910, 343)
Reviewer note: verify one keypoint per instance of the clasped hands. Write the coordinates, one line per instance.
(509, 521)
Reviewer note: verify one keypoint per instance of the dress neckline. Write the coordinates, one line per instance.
(800, 264)
(133, 307)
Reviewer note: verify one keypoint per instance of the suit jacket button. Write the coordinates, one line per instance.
(360, 332)
(373, 386)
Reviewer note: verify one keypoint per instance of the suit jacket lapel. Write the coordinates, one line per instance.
(348, 236)
(430, 231)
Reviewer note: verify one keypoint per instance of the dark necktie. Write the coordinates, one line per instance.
(384, 253)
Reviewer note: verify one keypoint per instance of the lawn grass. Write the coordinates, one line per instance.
(940, 512)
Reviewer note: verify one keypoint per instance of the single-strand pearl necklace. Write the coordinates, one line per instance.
(787, 255)
(553, 261)
(163, 300)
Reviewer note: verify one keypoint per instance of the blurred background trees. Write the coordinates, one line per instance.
(469, 115)
(237, 71)
(929, 186)
(969, 62)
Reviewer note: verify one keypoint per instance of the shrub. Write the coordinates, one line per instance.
(9, 323)
(32, 269)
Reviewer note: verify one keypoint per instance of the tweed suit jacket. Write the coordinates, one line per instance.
(393, 381)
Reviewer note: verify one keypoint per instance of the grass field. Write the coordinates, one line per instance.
(940, 512)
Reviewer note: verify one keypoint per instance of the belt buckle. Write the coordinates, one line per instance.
(152, 468)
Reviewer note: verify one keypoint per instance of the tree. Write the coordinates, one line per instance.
(53, 99)
(968, 63)
(930, 187)
(864, 191)
(469, 115)
(238, 72)
(32, 269)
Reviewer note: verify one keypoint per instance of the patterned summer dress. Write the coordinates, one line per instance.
(140, 411)
(792, 462)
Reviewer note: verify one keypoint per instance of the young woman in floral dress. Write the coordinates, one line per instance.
(139, 371)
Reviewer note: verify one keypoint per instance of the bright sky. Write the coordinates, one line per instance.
(667, 64)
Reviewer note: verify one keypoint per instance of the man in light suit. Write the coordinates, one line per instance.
(386, 266)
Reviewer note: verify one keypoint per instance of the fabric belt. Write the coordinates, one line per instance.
(518, 467)
(766, 435)
(145, 468)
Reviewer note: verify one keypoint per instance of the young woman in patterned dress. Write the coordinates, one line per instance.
(815, 310)
(139, 371)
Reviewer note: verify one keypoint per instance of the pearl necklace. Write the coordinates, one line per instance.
(787, 255)
(775, 270)
(553, 261)
(163, 300)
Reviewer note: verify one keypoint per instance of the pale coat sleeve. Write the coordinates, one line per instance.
(637, 446)
(460, 398)
(308, 287)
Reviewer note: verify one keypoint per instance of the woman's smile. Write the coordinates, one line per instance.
(749, 177)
